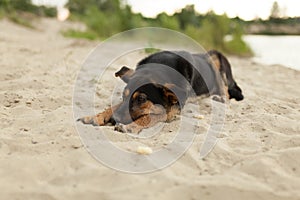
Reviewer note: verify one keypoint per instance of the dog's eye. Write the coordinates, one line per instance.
(142, 98)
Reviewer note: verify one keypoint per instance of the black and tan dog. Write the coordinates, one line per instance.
(157, 90)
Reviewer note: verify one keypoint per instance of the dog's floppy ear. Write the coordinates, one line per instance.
(168, 94)
(175, 94)
(125, 73)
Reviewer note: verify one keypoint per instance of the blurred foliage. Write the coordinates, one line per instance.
(188, 16)
(165, 21)
(236, 45)
(23, 11)
(9, 6)
(104, 18)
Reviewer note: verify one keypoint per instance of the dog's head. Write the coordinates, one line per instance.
(142, 96)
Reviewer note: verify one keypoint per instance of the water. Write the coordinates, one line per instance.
(283, 50)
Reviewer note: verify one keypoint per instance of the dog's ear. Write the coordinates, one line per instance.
(171, 91)
(168, 94)
(125, 73)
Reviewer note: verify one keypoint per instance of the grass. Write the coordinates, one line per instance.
(89, 35)
(151, 49)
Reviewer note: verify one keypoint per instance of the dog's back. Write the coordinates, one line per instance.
(193, 67)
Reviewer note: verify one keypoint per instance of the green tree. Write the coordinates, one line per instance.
(216, 27)
(236, 45)
(81, 7)
(187, 16)
(167, 21)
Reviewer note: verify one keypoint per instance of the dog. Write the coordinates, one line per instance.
(158, 88)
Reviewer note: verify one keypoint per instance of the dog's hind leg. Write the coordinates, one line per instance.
(100, 119)
(220, 92)
(233, 90)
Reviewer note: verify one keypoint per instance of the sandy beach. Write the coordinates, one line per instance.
(42, 157)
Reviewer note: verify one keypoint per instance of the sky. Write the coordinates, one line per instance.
(246, 9)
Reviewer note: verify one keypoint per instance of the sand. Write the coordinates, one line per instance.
(41, 155)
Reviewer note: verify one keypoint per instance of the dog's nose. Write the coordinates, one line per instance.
(122, 114)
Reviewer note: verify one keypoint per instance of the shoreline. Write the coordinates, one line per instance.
(273, 29)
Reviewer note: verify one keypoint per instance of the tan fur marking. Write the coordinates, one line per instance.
(149, 120)
(143, 122)
(169, 85)
(135, 95)
(170, 96)
(172, 112)
(215, 61)
(126, 92)
(140, 110)
(101, 118)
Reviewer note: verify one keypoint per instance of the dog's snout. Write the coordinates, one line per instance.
(122, 114)
(116, 118)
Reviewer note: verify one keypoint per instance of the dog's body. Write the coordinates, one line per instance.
(159, 87)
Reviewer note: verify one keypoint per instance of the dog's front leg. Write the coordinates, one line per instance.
(141, 123)
(101, 118)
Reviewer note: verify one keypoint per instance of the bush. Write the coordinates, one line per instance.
(105, 18)
(212, 31)
(167, 21)
(236, 45)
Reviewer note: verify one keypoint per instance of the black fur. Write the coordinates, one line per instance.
(193, 74)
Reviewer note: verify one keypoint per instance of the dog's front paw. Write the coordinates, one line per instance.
(127, 128)
(93, 120)
(121, 128)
